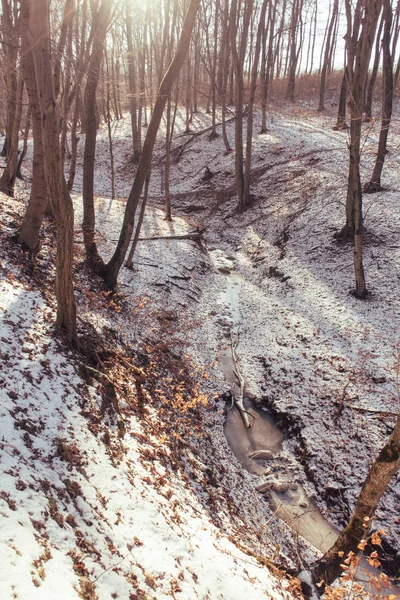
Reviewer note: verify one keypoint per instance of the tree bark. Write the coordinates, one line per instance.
(101, 20)
(335, 11)
(38, 200)
(374, 185)
(7, 179)
(382, 470)
(61, 202)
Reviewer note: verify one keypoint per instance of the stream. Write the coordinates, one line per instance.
(260, 448)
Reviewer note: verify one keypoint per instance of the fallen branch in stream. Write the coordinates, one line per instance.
(238, 398)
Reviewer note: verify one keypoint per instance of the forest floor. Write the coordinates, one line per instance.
(120, 490)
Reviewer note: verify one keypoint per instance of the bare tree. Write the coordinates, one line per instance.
(100, 19)
(328, 45)
(113, 267)
(39, 37)
(374, 185)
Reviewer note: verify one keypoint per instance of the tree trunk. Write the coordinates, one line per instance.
(387, 101)
(132, 86)
(335, 11)
(25, 146)
(382, 470)
(101, 20)
(371, 83)
(238, 63)
(7, 179)
(250, 106)
(113, 267)
(30, 228)
(61, 202)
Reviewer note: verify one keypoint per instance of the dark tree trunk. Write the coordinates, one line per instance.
(382, 470)
(335, 11)
(38, 200)
(371, 83)
(101, 19)
(387, 101)
(60, 198)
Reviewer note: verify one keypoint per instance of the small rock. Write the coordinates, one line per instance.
(224, 270)
(378, 379)
(303, 504)
(280, 487)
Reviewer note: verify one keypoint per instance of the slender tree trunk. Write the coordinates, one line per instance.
(25, 146)
(354, 218)
(250, 105)
(132, 251)
(101, 20)
(238, 63)
(7, 179)
(374, 185)
(109, 131)
(74, 142)
(113, 267)
(371, 83)
(132, 85)
(334, 16)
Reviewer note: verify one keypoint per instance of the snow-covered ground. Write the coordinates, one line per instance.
(93, 508)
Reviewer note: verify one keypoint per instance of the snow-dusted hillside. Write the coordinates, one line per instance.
(98, 502)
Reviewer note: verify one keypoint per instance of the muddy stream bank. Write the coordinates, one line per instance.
(260, 448)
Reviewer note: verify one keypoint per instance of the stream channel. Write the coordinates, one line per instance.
(259, 448)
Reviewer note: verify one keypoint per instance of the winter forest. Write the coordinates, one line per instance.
(199, 299)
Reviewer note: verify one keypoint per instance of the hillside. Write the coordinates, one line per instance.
(118, 478)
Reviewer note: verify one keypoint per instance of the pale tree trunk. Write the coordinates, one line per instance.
(61, 202)
(113, 267)
(101, 19)
(387, 101)
(381, 472)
